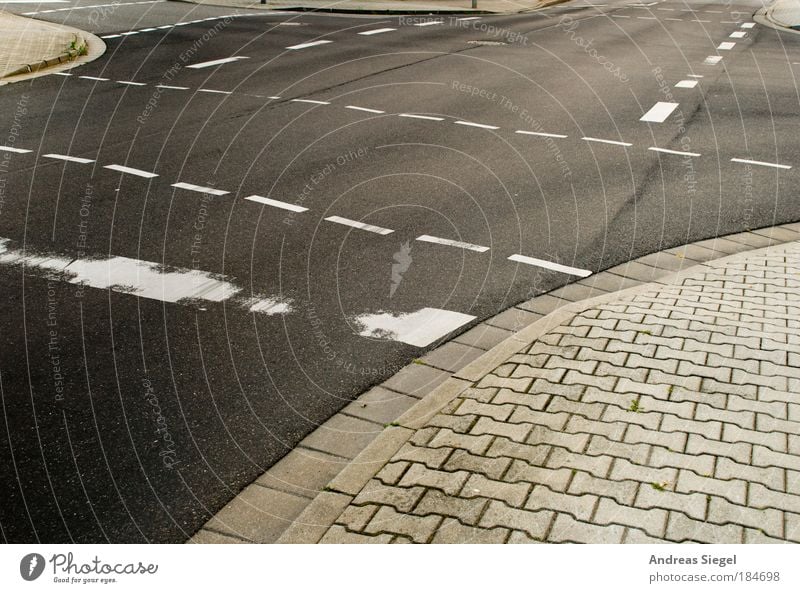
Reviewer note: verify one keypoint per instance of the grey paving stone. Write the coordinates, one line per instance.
(337, 534)
(452, 356)
(682, 528)
(543, 304)
(303, 472)
(653, 522)
(576, 292)
(343, 436)
(416, 380)
(449, 482)
(608, 282)
(380, 405)
(637, 270)
(534, 523)
(513, 319)
(452, 532)
(210, 537)
(484, 336)
(567, 529)
(667, 261)
(466, 510)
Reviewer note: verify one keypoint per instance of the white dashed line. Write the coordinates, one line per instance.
(377, 31)
(678, 152)
(172, 87)
(94, 78)
(415, 116)
(217, 62)
(215, 91)
(137, 172)
(199, 188)
(110, 36)
(451, 243)
(62, 73)
(647, 18)
(419, 328)
(540, 263)
(712, 60)
(469, 18)
(428, 23)
(72, 159)
(749, 162)
(601, 140)
(276, 203)
(474, 125)
(671, 19)
(698, 21)
(359, 225)
(356, 108)
(748, 25)
(273, 98)
(738, 34)
(13, 149)
(726, 45)
(620, 16)
(545, 134)
(309, 44)
(311, 101)
(659, 112)
(130, 82)
(686, 84)
(695, 75)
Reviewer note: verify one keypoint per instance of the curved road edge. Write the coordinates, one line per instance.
(31, 48)
(781, 14)
(299, 498)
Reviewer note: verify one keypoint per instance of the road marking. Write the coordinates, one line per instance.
(738, 34)
(215, 91)
(419, 328)
(111, 36)
(276, 203)
(312, 101)
(646, 18)
(698, 21)
(659, 112)
(13, 149)
(695, 75)
(451, 243)
(274, 98)
(62, 73)
(415, 116)
(749, 162)
(712, 60)
(686, 84)
(172, 87)
(359, 225)
(309, 44)
(364, 109)
(469, 18)
(217, 62)
(428, 23)
(678, 152)
(747, 25)
(138, 172)
(726, 45)
(377, 31)
(131, 83)
(94, 78)
(129, 33)
(540, 263)
(72, 159)
(619, 16)
(474, 125)
(199, 188)
(151, 29)
(590, 139)
(671, 19)
(545, 134)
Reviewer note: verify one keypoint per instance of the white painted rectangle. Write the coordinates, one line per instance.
(72, 159)
(712, 60)
(172, 87)
(678, 152)
(419, 328)
(356, 108)
(603, 141)
(475, 125)
(276, 203)
(131, 171)
(748, 25)
(94, 78)
(217, 62)
(130, 82)
(726, 45)
(377, 31)
(13, 149)
(199, 188)
(359, 225)
(311, 101)
(544, 134)
(309, 44)
(415, 116)
(215, 91)
(762, 163)
(738, 35)
(451, 243)
(686, 84)
(659, 112)
(428, 23)
(540, 263)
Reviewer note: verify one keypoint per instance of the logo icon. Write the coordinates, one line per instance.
(31, 566)
(402, 262)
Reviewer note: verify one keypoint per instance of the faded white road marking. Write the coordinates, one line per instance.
(273, 97)
(678, 152)
(172, 87)
(428, 23)
(712, 60)
(62, 73)
(276, 203)
(13, 149)
(686, 84)
(364, 109)
(215, 91)
(749, 162)
(217, 62)
(73, 159)
(377, 31)
(738, 34)
(130, 82)
(419, 328)
(451, 243)
(312, 101)
(94, 78)
(726, 45)
(137, 172)
(469, 18)
(601, 140)
(545, 134)
(415, 116)
(359, 225)
(111, 36)
(199, 188)
(620, 16)
(659, 112)
(309, 44)
(748, 25)
(475, 125)
(540, 263)
(671, 19)
(695, 75)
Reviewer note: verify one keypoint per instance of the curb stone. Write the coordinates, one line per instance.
(327, 487)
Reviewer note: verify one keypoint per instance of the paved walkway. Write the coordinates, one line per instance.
(668, 412)
(399, 6)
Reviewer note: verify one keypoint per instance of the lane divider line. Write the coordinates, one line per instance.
(659, 112)
(72, 159)
(726, 45)
(310, 44)
(377, 31)
(359, 225)
(415, 116)
(217, 62)
(686, 84)
(14, 149)
(130, 82)
(276, 203)
(762, 163)
(131, 171)
(544, 134)
(712, 60)
(738, 34)
(603, 141)
(678, 152)
(199, 188)
(311, 101)
(476, 125)
(94, 78)
(356, 108)
(451, 243)
(540, 263)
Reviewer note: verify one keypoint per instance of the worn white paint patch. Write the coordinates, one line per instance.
(659, 112)
(309, 44)
(13, 149)
(377, 31)
(419, 328)
(217, 62)
(451, 243)
(268, 306)
(686, 84)
(541, 263)
(131, 171)
(712, 60)
(276, 203)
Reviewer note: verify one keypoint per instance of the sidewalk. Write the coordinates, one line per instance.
(29, 47)
(664, 412)
(389, 6)
(783, 13)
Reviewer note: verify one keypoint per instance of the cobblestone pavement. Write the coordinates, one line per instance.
(668, 415)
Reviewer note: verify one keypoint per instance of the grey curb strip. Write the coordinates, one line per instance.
(766, 17)
(299, 498)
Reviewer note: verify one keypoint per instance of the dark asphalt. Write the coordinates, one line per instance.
(237, 391)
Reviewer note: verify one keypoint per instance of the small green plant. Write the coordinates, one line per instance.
(660, 486)
(77, 49)
(634, 407)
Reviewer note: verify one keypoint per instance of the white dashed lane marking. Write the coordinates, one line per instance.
(603, 141)
(131, 171)
(540, 263)
(419, 328)
(276, 203)
(217, 62)
(678, 152)
(545, 134)
(359, 225)
(712, 60)
(451, 243)
(368, 110)
(748, 25)
(72, 159)
(726, 45)
(97, 78)
(738, 34)
(214, 91)
(762, 163)
(12, 149)
(172, 87)
(686, 84)
(130, 82)
(476, 125)
(310, 44)
(428, 23)
(377, 31)
(311, 101)
(415, 116)
(199, 188)
(659, 112)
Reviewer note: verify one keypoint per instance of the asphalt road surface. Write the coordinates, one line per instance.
(227, 227)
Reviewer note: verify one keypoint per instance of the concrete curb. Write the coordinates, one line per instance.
(782, 20)
(300, 497)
